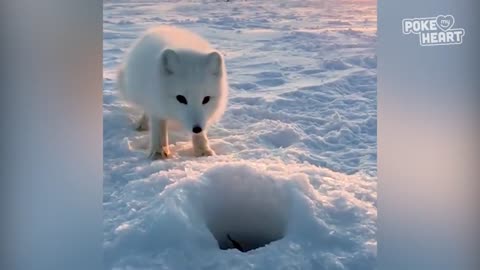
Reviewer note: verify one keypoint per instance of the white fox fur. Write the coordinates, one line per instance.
(174, 74)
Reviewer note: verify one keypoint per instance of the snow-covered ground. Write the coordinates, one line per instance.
(296, 148)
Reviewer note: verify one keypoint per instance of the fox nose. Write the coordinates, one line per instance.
(197, 129)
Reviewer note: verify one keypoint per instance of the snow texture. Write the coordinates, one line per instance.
(294, 179)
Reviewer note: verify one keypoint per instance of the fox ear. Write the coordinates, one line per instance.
(169, 61)
(214, 63)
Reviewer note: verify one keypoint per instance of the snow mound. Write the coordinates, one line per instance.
(336, 64)
(244, 206)
(271, 209)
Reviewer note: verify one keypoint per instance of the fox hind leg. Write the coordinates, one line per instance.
(142, 123)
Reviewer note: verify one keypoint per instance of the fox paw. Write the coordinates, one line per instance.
(204, 152)
(164, 153)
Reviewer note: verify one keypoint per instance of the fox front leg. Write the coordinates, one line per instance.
(158, 139)
(200, 145)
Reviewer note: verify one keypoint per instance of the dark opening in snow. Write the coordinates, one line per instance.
(251, 232)
(245, 244)
(245, 210)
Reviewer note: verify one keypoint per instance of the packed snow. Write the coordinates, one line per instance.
(294, 179)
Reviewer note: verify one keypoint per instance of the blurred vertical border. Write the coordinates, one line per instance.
(428, 140)
(51, 134)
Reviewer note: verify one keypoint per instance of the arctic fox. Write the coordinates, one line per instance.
(173, 74)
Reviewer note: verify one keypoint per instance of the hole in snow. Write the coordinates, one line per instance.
(244, 209)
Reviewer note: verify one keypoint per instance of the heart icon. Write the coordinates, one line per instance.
(445, 22)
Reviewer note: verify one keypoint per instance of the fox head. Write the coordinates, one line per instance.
(195, 86)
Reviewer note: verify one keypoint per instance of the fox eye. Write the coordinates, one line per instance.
(182, 99)
(206, 100)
